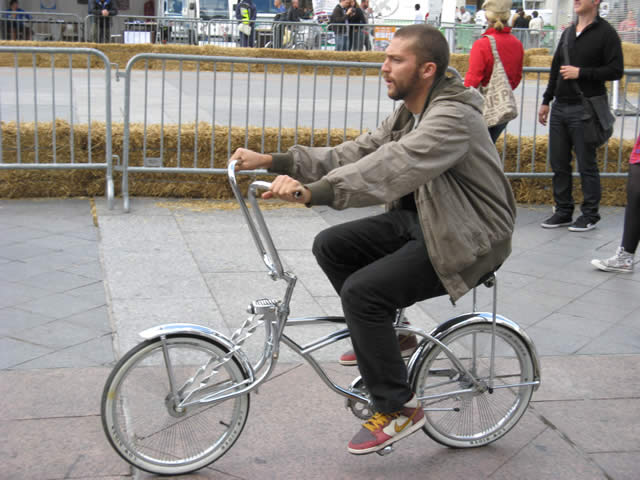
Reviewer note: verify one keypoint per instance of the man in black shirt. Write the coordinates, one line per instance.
(294, 13)
(595, 56)
(339, 16)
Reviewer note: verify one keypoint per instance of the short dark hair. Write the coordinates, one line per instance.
(429, 45)
(534, 13)
(417, 6)
(12, 2)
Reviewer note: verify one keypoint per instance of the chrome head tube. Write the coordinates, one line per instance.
(257, 226)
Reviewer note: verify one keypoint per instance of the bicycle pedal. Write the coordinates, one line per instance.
(385, 451)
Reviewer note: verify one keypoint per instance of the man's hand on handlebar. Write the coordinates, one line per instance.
(288, 189)
(250, 160)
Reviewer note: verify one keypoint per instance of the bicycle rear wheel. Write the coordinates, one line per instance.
(458, 414)
(156, 433)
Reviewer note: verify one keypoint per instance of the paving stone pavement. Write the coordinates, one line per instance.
(73, 296)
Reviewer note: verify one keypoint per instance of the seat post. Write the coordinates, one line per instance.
(494, 283)
(473, 306)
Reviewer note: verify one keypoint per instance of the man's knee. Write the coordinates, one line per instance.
(358, 293)
(323, 243)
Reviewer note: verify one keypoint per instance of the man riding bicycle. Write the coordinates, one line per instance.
(449, 220)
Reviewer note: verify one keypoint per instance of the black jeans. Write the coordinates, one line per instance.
(631, 232)
(496, 130)
(377, 265)
(102, 30)
(566, 132)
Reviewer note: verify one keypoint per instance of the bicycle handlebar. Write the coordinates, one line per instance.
(257, 226)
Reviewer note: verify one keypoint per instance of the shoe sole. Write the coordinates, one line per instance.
(604, 268)
(350, 363)
(405, 433)
(555, 225)
(581, 229)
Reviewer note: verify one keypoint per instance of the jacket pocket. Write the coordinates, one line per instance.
(458, 236)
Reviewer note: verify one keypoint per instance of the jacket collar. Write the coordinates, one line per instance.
(493, 31)
(404, 115)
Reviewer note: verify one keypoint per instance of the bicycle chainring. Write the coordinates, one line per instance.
(360, 409)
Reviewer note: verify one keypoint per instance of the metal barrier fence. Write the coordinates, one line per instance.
(461, 37)
(41, 26)
(306, 34)
(266, 97)
(526, 125)
(141, 29)
(178, 105)
(44, 123)
(250, 94)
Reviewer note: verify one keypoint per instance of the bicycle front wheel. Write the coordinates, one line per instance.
(155, 431)
(460, 414)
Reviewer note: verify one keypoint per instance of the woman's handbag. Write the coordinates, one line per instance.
(499, 101)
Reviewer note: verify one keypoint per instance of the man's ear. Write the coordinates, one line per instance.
(428, 70)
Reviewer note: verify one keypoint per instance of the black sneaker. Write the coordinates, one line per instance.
(556, 220)
(582, 224)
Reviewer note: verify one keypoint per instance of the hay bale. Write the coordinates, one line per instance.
(51, 183)
(39, 183)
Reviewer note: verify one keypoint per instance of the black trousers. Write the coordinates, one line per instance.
(566, 132)
(631, 232)
(377, 265)
(496, 130)
(102, 30)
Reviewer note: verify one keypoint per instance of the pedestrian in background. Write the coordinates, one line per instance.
(521, 25)
(628, 28)
(535, 29)
(622, 261)
(277, 28)
(509, 49)
(338, 24)
(294, 12)
(595, 56)
(357, 21)
(246, 12)
(465, 16)
(369, 19)
(102, 11)
(16, 29)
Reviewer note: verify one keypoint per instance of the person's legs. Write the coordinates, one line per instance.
(104, 30)
(252, 37)
(367, 41)
(622, 260)
(277, 36)
(560, 143)
(496, 130)
(587, 166)
(631, 231)
(377, 265)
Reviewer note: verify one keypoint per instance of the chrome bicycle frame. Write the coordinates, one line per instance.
(275, 315)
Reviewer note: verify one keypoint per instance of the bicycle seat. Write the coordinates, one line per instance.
(488, 279)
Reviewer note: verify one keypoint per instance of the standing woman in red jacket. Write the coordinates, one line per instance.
(509, 48)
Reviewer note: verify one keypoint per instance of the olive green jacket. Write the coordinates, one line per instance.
(465, 203)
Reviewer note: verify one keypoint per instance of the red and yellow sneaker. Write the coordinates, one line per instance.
(383, 429)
